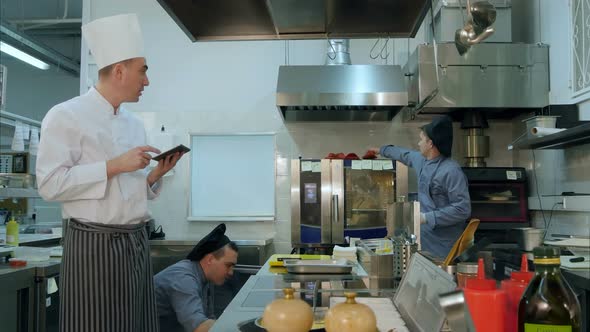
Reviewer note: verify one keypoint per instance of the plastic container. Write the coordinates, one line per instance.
(465, 270)
(12, 232)
(32, 254)
(16, 262)
(514, 288)
(486, 303)
(529, 237)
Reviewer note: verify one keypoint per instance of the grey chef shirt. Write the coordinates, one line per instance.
(181, 296)
(443, 196)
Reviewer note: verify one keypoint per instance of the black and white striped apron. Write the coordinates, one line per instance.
(106, 279)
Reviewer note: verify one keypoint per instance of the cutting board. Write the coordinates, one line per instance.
(276, 260)
(566, 264)
(569, 242)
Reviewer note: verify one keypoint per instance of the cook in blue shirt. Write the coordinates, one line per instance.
(182, 289)
(442, 186)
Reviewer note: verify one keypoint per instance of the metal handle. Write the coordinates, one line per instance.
(316, 287)
(455, 308)
(335, 208)
(247, 269)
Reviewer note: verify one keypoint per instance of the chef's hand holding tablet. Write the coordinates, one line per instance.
(166, 161)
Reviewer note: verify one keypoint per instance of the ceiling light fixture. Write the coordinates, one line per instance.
(11, 50)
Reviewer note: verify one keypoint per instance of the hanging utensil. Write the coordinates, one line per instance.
(480, 17)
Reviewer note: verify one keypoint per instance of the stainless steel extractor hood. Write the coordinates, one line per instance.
(204, 20)
(493, 76)
(340, 93)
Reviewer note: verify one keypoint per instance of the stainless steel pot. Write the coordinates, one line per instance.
(528, 237)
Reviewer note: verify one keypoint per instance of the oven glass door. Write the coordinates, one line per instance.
(367, 195)
(498, 202)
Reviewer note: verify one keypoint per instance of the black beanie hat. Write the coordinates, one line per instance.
(440, 131)
(211, 242)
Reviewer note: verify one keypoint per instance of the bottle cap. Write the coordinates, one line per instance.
(546, 255)
(523, 275)
(546, 252)
(480, 283)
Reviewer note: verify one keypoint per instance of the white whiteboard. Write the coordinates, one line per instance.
(232, 177)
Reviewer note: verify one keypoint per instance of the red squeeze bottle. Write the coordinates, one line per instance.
(486, 303)
(514, 288)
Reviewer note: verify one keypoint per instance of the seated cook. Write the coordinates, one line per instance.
(182, 289)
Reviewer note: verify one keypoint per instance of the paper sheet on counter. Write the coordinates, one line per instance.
(51, 286)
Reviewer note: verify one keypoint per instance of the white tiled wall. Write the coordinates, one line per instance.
(316, 140)
(309, 140)
(556, 171)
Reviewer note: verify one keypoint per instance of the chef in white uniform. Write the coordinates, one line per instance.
(92, 158)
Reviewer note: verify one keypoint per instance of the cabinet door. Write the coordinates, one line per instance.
(563, 24)
(16, 304)
(50, 305)
(581, 47)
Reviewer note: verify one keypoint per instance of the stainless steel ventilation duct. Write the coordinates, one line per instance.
(339, 91)
(338, 52)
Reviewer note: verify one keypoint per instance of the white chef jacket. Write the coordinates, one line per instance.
(77, 138)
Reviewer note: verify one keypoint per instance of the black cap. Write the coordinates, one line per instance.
(546, 252)
(440, 131)
(211, 242)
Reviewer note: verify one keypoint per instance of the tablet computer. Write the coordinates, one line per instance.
(180, 148)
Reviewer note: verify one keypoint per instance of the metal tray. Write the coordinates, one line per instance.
(312, 266)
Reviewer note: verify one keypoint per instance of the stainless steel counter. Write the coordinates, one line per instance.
(579, 278)
(267, 285)
(580, 281)
(192, 242)
(260, 290)
(252, 252)
(46, 268)
(5, 270)
(35, 240)
(265, 270)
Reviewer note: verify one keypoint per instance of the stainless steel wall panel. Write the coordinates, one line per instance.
(490, 75)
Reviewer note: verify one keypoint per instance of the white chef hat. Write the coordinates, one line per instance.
(113, 39)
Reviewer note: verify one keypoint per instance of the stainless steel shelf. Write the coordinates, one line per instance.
(19, 193)
(570, 137)
(495, 202)
(263, 241)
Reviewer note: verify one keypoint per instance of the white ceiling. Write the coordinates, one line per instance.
(39, 9)
(54, 23)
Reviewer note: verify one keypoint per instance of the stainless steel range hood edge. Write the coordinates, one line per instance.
(490, 76)
(340, 93)
(207, 20)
